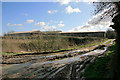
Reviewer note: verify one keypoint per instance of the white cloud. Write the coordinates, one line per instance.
(102, 26)
(8, 24)
(54, 21)
(94, 24)
(52, 25)
(61, 25)
(96, 18)
(61, 21)
(30, 21)
(16, 25)
(87, 0)
(44, 28)
(97, 0)
(64, 2)
(70, 10)
(40, 24)
(52, 11)
(35, 30)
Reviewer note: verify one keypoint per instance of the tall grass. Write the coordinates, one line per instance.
(43, 43)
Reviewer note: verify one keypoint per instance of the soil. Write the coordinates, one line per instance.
(68, 65)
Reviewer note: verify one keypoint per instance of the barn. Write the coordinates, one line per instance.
(79, 34)
(25, 33)
(85, 34)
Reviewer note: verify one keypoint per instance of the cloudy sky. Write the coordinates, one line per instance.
(46, 16)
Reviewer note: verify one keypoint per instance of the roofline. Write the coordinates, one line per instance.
(23, 32)
(84, 32)
(58, 32)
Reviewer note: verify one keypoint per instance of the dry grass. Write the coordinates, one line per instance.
(43, 43)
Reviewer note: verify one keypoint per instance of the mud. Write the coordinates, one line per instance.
(54, 66)
(17, 59)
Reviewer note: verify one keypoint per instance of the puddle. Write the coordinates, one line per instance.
(18, 67)
(72, 59)
(14, 68)
(95, 52)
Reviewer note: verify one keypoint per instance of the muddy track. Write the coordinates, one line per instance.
(68, 71)
(68, 68)
(12, 59)
(73, 70)
(23, 58)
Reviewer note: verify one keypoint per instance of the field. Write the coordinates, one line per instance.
(46, 43)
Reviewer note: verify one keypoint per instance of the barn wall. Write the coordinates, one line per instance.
(94, 34)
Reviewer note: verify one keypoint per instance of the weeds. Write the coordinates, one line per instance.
(45, 43)
(103, 67)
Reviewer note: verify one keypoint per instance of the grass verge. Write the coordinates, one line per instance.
(102, 67)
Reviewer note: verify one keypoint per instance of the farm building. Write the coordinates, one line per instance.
(30, 33)
(25, 33)
(85, 34)
(80, 34)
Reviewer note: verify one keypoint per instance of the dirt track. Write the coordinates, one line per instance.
(17, 59)
(69, 65)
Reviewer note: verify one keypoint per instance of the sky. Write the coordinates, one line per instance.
(51, 16)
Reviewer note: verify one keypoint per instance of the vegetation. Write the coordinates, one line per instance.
(46, 43)
(102, 67)
(110, 34)
(113, 12)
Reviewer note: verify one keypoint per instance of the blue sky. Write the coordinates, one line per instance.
(44, 16)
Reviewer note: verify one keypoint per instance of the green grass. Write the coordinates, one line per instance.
(109, 41)
(103, 66)
(9, 53)
(97, 69)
